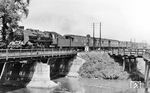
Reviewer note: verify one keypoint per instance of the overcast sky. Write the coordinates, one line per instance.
(121, 19)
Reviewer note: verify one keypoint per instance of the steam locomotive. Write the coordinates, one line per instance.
(33, 38)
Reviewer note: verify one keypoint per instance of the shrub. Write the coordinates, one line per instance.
(101, 66)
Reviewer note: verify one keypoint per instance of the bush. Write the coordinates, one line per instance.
(101, 66)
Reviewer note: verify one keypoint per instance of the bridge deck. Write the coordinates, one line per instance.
(128, 52)
(23, 53)
(145, 53)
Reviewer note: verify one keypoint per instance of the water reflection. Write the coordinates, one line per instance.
(97, 86)
(73, 85)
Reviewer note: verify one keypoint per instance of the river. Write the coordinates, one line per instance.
(74, 85)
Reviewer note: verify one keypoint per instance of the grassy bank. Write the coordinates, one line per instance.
(101, 66)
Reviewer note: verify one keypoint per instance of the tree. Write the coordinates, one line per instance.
(11, 11)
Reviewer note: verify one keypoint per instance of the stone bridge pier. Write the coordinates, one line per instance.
(41, 76)
(34, 72)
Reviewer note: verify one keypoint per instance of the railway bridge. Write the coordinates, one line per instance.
(131, 54)
(33, 67)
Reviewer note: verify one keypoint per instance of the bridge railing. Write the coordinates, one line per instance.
(7, 53)
(138, 52)
(30, 50)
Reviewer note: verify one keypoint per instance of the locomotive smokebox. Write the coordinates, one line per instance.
(21, 27)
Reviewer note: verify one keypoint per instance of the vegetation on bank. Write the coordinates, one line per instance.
(101, 66)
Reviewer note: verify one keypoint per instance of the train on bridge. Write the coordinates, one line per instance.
(33, 38)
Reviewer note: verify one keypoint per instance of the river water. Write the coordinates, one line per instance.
(74, 85)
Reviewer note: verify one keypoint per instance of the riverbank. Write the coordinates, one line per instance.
(101, 66)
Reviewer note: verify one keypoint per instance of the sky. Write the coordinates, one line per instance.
(123, 20)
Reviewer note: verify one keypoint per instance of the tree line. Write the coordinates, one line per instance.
(11, 12)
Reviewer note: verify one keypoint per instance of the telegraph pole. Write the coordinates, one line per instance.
(93, 36)
(131, 43)
(100, 36)
(134, 43)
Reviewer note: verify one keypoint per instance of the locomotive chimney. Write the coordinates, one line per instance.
(21, 27)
